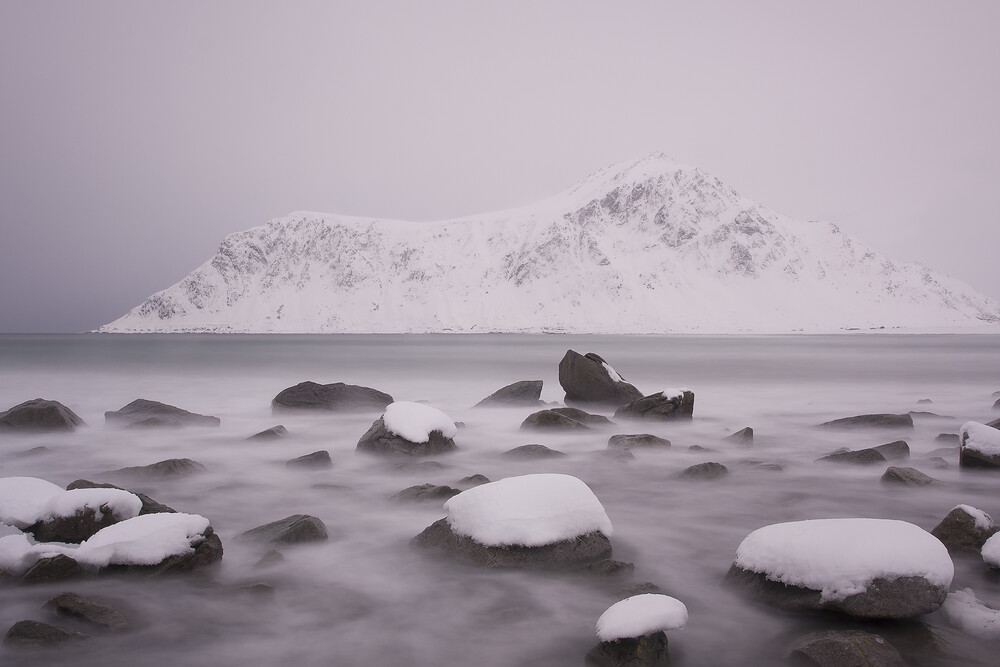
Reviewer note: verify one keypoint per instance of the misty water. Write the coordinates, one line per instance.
(366, 597)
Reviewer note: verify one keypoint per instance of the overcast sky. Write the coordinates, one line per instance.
(134, 136)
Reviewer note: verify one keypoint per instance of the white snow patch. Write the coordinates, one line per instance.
(670, 392)
(967, 613)
(991, 551)
(14, 549)
(841, 557)
(612, 373)
(980, 438)
(983, 520)
(415, 421)
(641, 615)
(23, 499)
(531, 510)
(123, 505)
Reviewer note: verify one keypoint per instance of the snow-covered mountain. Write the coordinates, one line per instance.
(649, 246)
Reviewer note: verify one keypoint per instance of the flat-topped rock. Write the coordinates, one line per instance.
(523, 393)
(637, 440)
(667, 405)
(533, 451)
(143, 413)
(881, 420)
(39, 415)
(582, 416)
(904, 476)
(868, 456)
(166, 468)
(335, 397)
(425, 492)
(588, 379)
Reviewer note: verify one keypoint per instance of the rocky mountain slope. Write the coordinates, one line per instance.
(645, 247)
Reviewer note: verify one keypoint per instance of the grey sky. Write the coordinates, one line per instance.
(135, 135)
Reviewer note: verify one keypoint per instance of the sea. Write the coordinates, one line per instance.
(367, 597)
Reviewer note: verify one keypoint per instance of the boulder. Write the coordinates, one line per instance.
(149, 506)
(709, 470)
(32, 634)
(905, 476)
(894, 451)
(979, 446)
(633, 440)
(336, 397)
(142, 413)
(206, 552)
(380, 440)
(583, 417)
(273, 433)
(474, 480)
(844, 648)
(965, 529)
(868, 456)
(661, 406)
(994, 424)
(54, 568)
(645, 651)
(550, 420)
(532, 452)
(295, 529)
(608, 567)
(167, 468)
(525, 392)
(996, 406)
(39, 415)
(79, 607)
(742, 437)
(872, 421)
(948, 437)
(588, 379)
(73, 529)
(566, 554)
(269, 559)
(424, 492)
(316, 460)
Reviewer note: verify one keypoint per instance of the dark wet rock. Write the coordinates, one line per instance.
(145, 413)
(424, 492)
(709, 470)
(271, 558)
(959, 532)
(259, 590)
(38, 415)
(996, 406)
(658, 407)
(167, 468)
(586, 380)
(532, 452)
(903, 597)
(294, 529)
(380, 440)
(550, 420)
(79, 607)
(994, 424)
(583, 417)
(872, 421)
(924, 400)
(273, 433)
(32, 634)
(974, 458)
(699, 448)
(72, 529)
(633, 440)
(608, 567)
(645, 651)
(474, 480)
(149, 506)
(525, 392)
(948, 437)
(55, 568)
(844, 648)
(863, 457)
(894, 451)
(567, 554)
(336, 397)
(320, 459)
(905, 476)
(742, 437)
(937, 462)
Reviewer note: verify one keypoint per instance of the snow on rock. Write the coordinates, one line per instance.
(122, 504)
(15, 548)
(23, 500)
(530, 510)
(841, 557)
(967, 613)
(612, 373)
(982, 520)
(670, 392)
(416, 421)
(991, 551)
(641, 615)
(980, 445)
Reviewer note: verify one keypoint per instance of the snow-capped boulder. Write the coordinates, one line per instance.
(836, 648)
(991, 552)
(870, 568)
(904, 476)
(73, 516)
(880, 420)
(335, 397)
(525, 392)
(541, 520)
(149, 506)
(143, 413)
(666, 405)
(550, 420)
(979, 446)
(411, 429)
(588, 379)
(633, 631)
(39, 415)
(965, 529)
(637, 440)
(294, 529)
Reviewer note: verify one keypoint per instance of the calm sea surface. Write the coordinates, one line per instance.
(367, 598)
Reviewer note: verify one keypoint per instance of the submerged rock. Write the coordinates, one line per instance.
(295, 529)
(474, 480)
(872, 421)
(742, 437)
(550, 420)
(894, 451)
(845, 648)
(868, 456)
(645, 651)
(662, 406)
(634, 440)
(32, 634)
(39, 414)
(424, 492)
(588, 379)
(905, 476)
(54, 568)
(525, 392)
(948, 437)
(965, 529)
(316, 460)
(335, 397)
(709, 470)
(79, 607)
(167, 468)
(273, 433)
(532, 452)
(145, 413)
(582, 416)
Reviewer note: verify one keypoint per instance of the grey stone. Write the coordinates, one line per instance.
(72, 529)
(167, 468)
(586, 381)
(273, 433)
(39, 414)
(567, 554)
(380, 440)
(550, 420)
(743, 437)
(532, 452)
(145, 413)
(474, 480)
(894, 451)
(424, 492)
(645, 651)
(709, 470)
(206, 552)
(269, 559)
(335, 397)
(948, 437)
(905, 476)
(583, 417)
(960, 534)
(525, 392)
(658, 407)
(638, 589)
(873, 421)
(633, 440)
(868, 456)
(608, 567)
(32, 634)
(149, 506)
(79, 607)
(320, 459)
(994, 424)
(55, 568)
(924, 400)
(295, 529)
(845, 648)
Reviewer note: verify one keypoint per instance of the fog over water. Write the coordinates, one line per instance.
(366, 597)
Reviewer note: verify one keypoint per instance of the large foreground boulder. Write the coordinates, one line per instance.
(979, 446)
(868, 568)
(666, 405)
(523, 393)
(143, 413)
(588, 379)
(335, 397)
(39, 415)
(410, 429)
